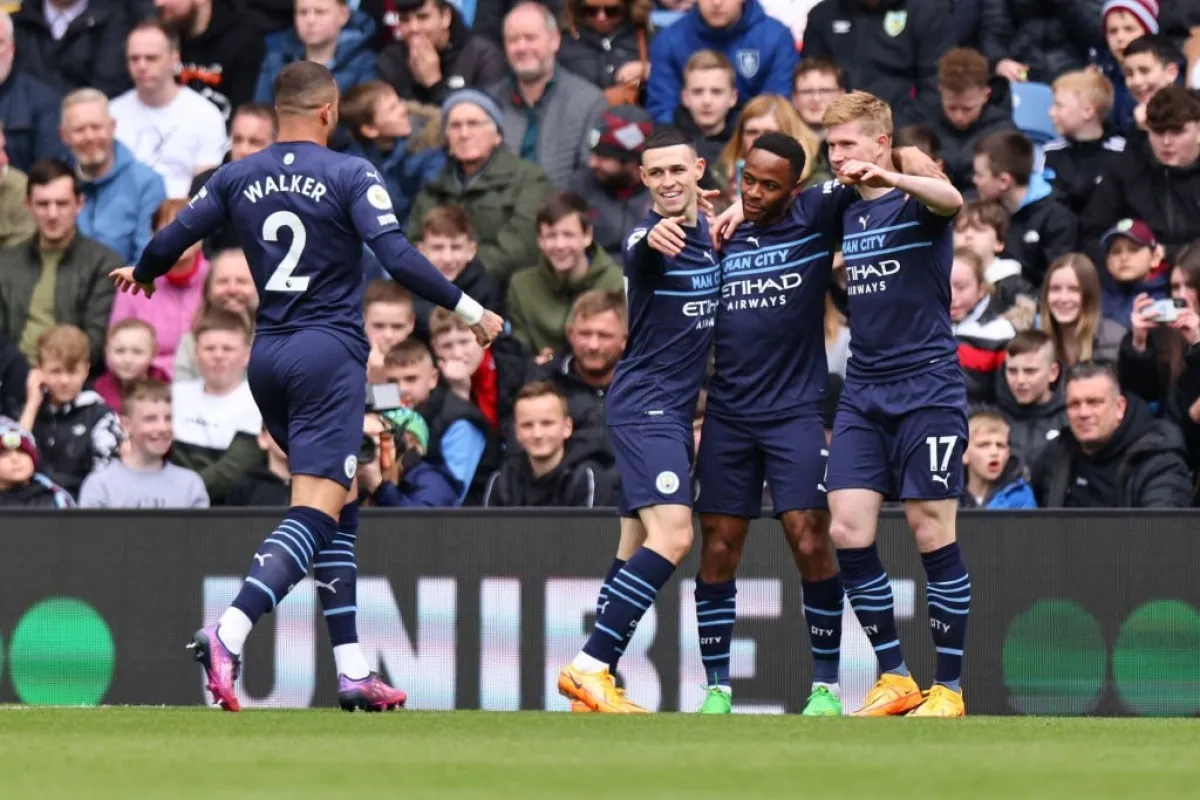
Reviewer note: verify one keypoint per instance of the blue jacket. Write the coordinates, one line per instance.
(403, 173)
(761, 49)
(118, 208)
(29, 110)
(353, 61)
(1015, 495)
(424, 486)
(1116, 299)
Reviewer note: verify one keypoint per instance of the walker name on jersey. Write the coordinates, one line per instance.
(870, 278)
(301, 184)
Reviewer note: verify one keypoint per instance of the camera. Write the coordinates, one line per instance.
(380, 397)
(1164, 311)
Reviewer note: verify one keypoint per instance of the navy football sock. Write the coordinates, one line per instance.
(823, 606)
(335, 573)
(282, 560)
(602, 603)
(630, 595)
(716, 611)
(870, 595)
(948, 596)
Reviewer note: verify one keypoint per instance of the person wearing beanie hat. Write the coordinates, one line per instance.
(1122, 22)
(21, 484)
(477, 98)
(417, 483)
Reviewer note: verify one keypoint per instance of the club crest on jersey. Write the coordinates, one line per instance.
(894, 22)
(747, 63)
(378, 197)
(350, 467)
(634, 238)
(667, 482)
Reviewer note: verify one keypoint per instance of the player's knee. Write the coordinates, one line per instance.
(846, 531)
(932, 523)
(669, 531)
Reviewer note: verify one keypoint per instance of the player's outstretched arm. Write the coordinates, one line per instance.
(939, 196)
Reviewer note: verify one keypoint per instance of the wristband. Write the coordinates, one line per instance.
(468, 310)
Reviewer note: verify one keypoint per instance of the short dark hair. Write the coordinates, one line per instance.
(47, 171)
(144, 389)
(1085, 370)
(814, 64)
(669, 137)
(1008, 152)
(220, 319)
(1171, 108)
(543, 389)
(407, 353)
(304, 86)
(156, 24)
(386, 290)
(357, 106)
(1029, 341)
(986, 214)
(786, 147)
(963, 68)
(450, 219)
(261, 110)
(922, 137)
(1157, 45)
(561, 205)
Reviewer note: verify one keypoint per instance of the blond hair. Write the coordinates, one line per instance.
(709, 60)
(1091, 86)
(986, 420)
(789, 123)
(79, 97)
(876, 115)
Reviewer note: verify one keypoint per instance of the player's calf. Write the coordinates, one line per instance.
(807, 534)
(722, 541)
(948, 586)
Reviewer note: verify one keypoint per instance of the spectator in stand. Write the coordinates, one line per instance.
(546, 112)
(706, 106)
(327, 32)
(922, 137)
(121, 194)
(490, 379)
(404, 479)
(611, 182)
(269, 483)
(216, 421)
(141, 476)
(815, 84)
(16, 223)
(1150, 64)
(129, 354)
(389, 319)
(1071, 313)
(29, 110)
(228, 286)
(21, 485)
(1041, 228)
(14, 372)
(58, 276)
(970, 110)
(448, 241)
(1084, 151)
(993, 476)
(436, 53)
(75, 431)
(220, 50)
(760, 48)
(1036, 40)
(607, 41)
(890, 49)
(540, 297)
(72, 45)
(407, 155)
(766, 114)
(1113, 454)
(490, 15)
(981, 332)
(982, 227)
(1134, 267)
(500, 192)
(1123, 21)
(546, 472)
(1160, 183)
(177, 297)
(1031, 396)
(149, 115)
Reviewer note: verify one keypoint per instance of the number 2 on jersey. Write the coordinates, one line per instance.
(281, 279)
(945, 441)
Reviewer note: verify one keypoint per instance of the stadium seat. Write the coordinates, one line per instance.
(1031, 110)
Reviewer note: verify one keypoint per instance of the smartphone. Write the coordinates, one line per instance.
(1165, 311)
(383, 396)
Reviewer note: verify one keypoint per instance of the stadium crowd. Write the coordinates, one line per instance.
(509, 134)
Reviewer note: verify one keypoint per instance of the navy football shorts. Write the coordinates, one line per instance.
(654, 460)
(903, 439)
(736, 455)
(312, 392)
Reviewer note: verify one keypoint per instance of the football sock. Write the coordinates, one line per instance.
(602, 602)
(948, 596)
(823, 606)
(630, 595)
(716, 611)
(335, 574)
(870, 595)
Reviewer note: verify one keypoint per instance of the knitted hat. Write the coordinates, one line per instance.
(621, 133)
(1135, 230)
(475, 98)
(405, 420)
(14, 437)
(1146, 11)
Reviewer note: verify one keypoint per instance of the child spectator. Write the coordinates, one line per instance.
(490, 379)
(141, 477)
(1031, 396)
(982, 227)
(970, 110)
(815, 84)
(1150, 63)
(389, 319)
(407, 155)
(216, 421)
(229, 286)
(922, 137)
(177, 296)
(129, 354)
(764, 114)
(707, 102)
(448, 241)
(540, 297)
(1123, 21)
(1082, 154)
(546, 473)
(76, 432)
(329, 33)
(1071, 313)
(269, 483)
(399, 476)
(1134, 267)
(1042, 229)
(21, 485)
(981, 332)
(994, 479)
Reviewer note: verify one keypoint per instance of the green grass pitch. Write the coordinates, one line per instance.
(198, 753)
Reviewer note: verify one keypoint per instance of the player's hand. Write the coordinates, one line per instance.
(1014, 71)
(860, 173)
(726, 223)
(911, 161)
(123, 278)
(704, 202)
(1187, 322)
(488, 328)
(424, 61)
(667, 237)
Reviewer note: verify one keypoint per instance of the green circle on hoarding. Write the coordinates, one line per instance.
(61, 653)
(1155, 661)
(1054, 659)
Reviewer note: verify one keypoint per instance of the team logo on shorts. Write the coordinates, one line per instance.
(351, 467)
(667, 482)
(378, 197)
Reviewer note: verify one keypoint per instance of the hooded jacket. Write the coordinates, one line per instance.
(584, 401)
(597, 58)
(411, 163)
(1032, 427)
(1074, 167)
(539, 300)
(1042, 230)
(442, 410)
(761, 49)
(40, 492)
(957, 147)
(223, 63)
(90, 53)
(1010, 492)
(578, 482)
(470, 61)
(119, 207)
(1143, 465)
(890, 50)
(1004, 274)
(353, 60)
(76, 439)
(1050, 36)
(707, 147)
(1116, 298)
(29, 110)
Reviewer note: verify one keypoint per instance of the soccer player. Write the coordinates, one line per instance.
(901, 422)
(672, 283)
(299, 209)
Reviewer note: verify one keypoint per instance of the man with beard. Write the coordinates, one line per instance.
(610, 183)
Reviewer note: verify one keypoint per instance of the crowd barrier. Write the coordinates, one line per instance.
(1073, 613)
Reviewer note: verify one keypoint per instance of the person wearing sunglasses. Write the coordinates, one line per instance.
(606, 41)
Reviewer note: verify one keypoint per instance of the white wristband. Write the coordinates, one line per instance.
(469, 310)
